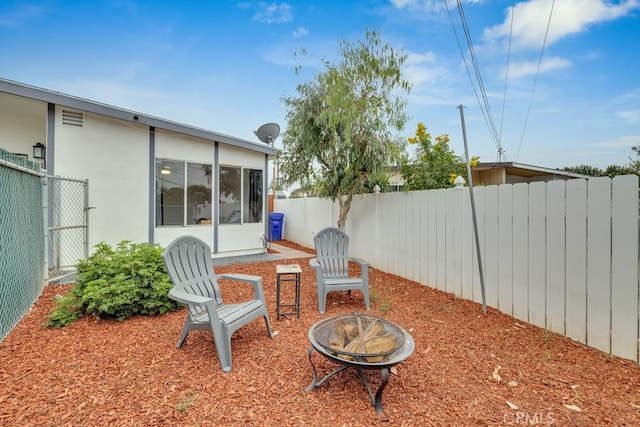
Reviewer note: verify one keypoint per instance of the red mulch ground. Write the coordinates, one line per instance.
(98, 372)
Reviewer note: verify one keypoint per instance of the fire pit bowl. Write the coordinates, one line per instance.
(359, 338)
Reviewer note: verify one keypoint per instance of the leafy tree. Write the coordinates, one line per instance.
(615, 170)
(435, 165)
(631, 168)
(584, 170)
(341, 122)
(634, 164)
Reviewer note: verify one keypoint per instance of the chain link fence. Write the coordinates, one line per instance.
(21, 238)
(69, 225)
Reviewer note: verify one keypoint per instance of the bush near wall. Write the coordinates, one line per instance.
(117, 284)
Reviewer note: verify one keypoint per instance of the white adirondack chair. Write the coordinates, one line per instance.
(332, 266)
(188, 263)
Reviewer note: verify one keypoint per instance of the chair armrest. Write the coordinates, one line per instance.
(240, 277)
(187, 298)
(360, 262)
(255, 281)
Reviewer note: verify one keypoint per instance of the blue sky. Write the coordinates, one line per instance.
(225, 65)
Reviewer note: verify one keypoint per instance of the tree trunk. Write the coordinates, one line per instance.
(345, 206)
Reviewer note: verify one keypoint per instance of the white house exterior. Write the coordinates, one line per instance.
(150, 179)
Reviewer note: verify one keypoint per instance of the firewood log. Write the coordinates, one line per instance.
(338, 337)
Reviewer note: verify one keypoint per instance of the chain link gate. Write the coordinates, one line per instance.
(68, 230)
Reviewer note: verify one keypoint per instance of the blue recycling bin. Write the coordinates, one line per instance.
(275, 226)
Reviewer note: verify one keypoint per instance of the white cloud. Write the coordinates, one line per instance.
(631, 116)
(530, 20)
(419, 58)
(621, 141)
(420, 69)
(425, 4)
(274, 13)
(300, 32)
(528, 68)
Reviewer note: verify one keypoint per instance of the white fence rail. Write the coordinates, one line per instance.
(561, 255)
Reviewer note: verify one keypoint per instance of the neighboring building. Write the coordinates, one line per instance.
(395, 178)
(498, 173)
(513, 173)
(150, 179)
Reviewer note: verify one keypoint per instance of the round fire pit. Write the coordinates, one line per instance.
(359, 338)
(360, 342)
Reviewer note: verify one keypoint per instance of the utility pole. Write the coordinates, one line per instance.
(473, 208)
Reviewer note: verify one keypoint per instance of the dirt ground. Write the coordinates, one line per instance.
(468, 368)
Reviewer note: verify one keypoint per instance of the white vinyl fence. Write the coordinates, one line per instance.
(561, 255)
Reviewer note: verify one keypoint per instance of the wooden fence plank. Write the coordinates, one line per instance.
(416, 231)
(505, 249)
(576, 260)
(555, 257)
(432, 206)
(424, 238)
(599, 263)
(469, 259)
(537, 245)
(521, 251)
(490, 245)
(624, 268)
(441, 240)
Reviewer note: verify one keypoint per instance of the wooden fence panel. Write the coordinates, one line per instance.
(624, 268)
(537, 247)
(441, 239)
(424, 237)
(521, 252)
(432, 208)
(469, 262)
(599, 263)
(453, 220)
(479, 195)
(555, 257)
(559, 255)
(576, 260)
(416, 240)
(490, 245)
(505, 249)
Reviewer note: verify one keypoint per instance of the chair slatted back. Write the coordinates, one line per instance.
(188, 263)
(332, 249)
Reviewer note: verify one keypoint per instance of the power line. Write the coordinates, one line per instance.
(484, 104)
(535, 81)
(506, 79)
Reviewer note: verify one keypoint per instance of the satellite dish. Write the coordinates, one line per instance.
(267, 133)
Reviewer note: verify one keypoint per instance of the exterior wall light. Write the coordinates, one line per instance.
(39, 150)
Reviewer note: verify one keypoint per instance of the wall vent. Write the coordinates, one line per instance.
(73, 118)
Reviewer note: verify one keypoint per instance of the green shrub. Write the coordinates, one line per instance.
(117, 284)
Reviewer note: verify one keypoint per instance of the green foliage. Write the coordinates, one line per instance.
(584, 170)
(341, 122)
(117, 284)
(631, 168)
(435, 165)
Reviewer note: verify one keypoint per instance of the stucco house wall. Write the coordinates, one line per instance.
(117, 151)
(114, 158)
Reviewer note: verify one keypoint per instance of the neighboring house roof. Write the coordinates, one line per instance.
(32, 92)
(520, 169)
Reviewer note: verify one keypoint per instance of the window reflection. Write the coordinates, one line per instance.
(171, 208)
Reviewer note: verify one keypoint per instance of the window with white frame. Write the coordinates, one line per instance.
(183, 193)
(241, 195)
